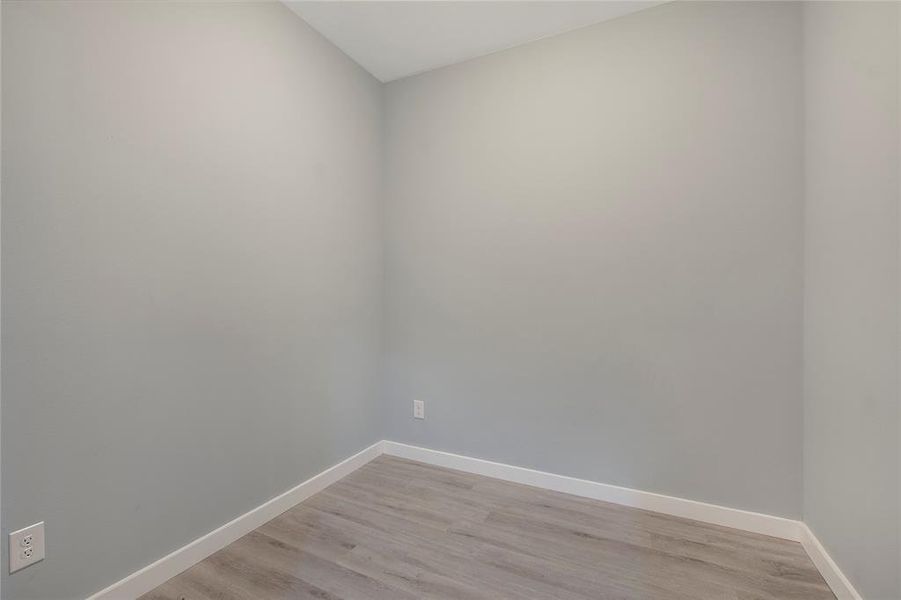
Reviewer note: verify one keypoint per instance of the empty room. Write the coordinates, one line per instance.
(450, 300)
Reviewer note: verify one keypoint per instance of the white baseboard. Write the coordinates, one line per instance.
(669, 505)
(169, 566)
(840, 585)
(180, 560)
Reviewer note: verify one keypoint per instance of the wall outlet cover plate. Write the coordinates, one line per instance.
(26, 547)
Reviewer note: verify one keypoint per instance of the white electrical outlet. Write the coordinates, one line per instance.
(418, 409)
(26, 547)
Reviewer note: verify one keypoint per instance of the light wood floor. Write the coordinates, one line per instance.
(399, 529)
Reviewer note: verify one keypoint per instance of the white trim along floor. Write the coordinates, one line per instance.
(168, 566)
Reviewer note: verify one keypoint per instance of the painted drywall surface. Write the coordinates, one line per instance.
(191, 273)
(398, 39)
(593, 254)
(851, 289)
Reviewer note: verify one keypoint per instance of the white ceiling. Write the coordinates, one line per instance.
(395, 39)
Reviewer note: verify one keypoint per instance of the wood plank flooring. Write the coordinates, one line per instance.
(397, 529)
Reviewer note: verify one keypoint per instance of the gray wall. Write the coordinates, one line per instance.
(593, 259)
(191, 273)
(851, 289)
(593, 254)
